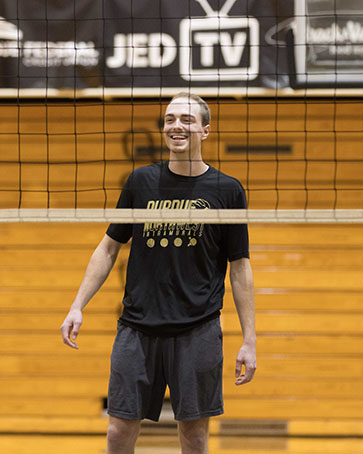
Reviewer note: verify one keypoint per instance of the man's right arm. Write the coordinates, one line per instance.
(98, 269)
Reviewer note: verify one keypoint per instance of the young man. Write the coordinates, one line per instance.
(169, 331)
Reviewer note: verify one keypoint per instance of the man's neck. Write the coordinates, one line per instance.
(189, 168)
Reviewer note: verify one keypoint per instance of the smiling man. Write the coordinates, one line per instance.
(169, 332)
(186, 126)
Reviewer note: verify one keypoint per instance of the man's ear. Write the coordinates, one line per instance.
(206, 131)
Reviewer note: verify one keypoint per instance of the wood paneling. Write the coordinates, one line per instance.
(291, 408)
(90, 147)
(166, 444)
(308, 278)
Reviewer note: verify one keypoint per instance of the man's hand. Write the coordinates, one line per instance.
(246, 357)
(71, 326)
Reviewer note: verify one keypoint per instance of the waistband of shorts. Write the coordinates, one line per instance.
(169, 330)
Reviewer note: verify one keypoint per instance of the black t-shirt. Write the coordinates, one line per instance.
(176, 271)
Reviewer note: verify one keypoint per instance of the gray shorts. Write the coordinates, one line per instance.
(190, 364)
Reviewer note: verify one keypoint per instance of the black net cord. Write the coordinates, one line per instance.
(104, 143)
(20, 193)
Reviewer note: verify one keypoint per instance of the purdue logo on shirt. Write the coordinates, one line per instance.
(174, 234)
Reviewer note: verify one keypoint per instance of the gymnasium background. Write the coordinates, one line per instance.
(83, 87)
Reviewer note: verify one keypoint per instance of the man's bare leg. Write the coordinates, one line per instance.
(194, 436)
(122, 435)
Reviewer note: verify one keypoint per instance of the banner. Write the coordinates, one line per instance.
(329, 42)
(142, 47)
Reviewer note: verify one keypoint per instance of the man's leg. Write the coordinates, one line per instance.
(194, 436)
(122, 435)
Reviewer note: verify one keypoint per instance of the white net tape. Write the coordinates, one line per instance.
(138, 216)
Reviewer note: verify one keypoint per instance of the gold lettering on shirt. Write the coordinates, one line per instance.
(176, 229)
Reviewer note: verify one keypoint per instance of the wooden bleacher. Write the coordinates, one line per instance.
(308, 278)
(59, 148)
(309, 325)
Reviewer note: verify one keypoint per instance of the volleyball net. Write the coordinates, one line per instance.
(68, 148)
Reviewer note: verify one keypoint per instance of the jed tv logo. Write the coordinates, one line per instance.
(219, 47)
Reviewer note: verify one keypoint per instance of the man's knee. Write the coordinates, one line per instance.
(122, 431)
(194, 435)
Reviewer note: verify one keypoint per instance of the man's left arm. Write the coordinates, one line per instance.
(243, 294)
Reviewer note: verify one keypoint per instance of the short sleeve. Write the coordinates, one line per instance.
(236, 235)
(122, 232)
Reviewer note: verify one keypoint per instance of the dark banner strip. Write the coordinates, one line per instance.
(215, 45)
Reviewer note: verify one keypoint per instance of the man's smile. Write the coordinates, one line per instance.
(178, 137)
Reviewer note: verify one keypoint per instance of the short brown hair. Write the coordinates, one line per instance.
(204, 108)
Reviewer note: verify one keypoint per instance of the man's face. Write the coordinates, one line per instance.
(183, 129)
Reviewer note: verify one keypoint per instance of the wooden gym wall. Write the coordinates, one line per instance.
(308, 278)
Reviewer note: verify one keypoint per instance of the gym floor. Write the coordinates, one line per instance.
(166, 444)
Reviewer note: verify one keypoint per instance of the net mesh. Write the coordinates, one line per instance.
(299, 154)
